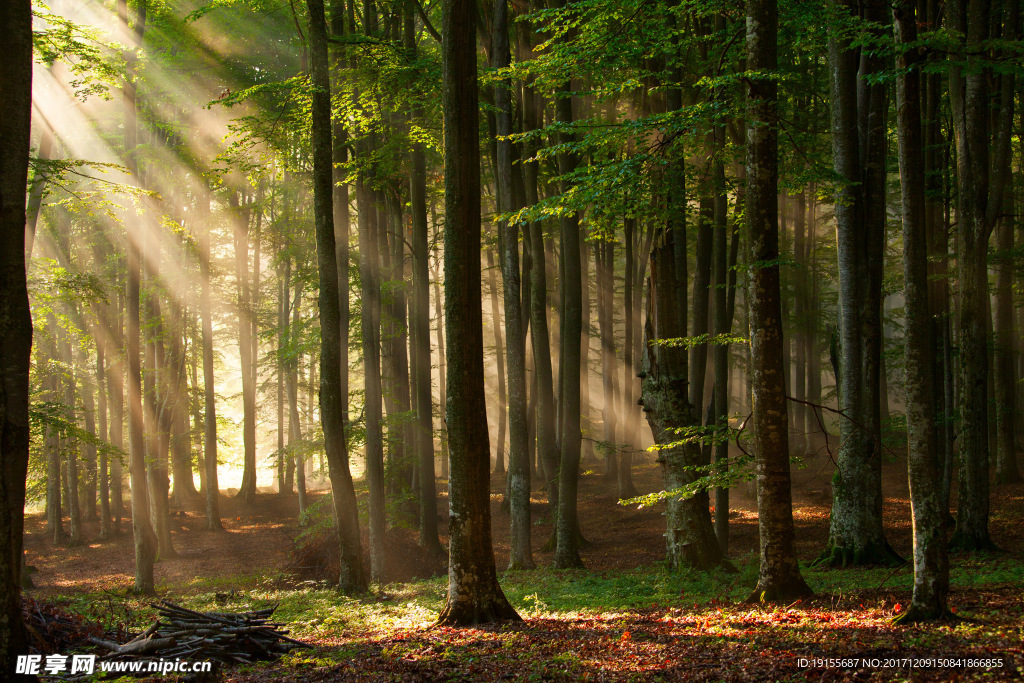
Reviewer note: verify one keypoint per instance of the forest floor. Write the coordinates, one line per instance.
(624, 617)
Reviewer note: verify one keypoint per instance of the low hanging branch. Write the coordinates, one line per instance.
(216, 636)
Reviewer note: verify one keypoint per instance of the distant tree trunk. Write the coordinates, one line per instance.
(420, 330)
(102, 434)
(779, 577)
(154, 388)
(296, 463)
(142, 529)
(240, 223)
(799, 326)
(1007, 471)
(567, 549)
(624, 461)
(604, 257)
(351, 577)
(90, 487)
(474, 595)
(690, 535)
(499, 358)
(931, 566)
(282, 350)
(859, 110)
(441, 369)
(521, 553)
(586, 419)
(15, 320)
(979, 202)
(721, 325)
(213, 522)
(115, 385)
(51, 442)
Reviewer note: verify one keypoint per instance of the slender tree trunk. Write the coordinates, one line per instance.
(420, 329)
(474, 595)
(931, 566)
(240, 223)
(779, 578)
(721, 325)
(351, 577)
(624, 460)
(213, 522)
(499, 358)
(521, 553)
(142, 529)
(102, 433)
(374, 449)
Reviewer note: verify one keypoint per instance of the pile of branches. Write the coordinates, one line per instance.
(52, 629)
(215, 636)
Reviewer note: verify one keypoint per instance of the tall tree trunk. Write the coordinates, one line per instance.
(521, 553)
(474, 595)
(979, 202)
(604, 257)
(567, 549)
(779, 578)
(101, 432)
(624, 459)
(15, 320)
(142, 529)
(859, 111)
(499, 358)
(1007, 471)
(664, 371)
(420, 329)
(351, 577)
(213, 522)
(239, 217)
(721, 325)
(931, 566)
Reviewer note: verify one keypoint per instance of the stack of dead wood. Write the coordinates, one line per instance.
(54, 629)
(212, 636)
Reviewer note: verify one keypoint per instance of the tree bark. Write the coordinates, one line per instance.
(204, 233)
(15, 320)
(859, 112)
(931, 566)
(351, 577)
(779, 578)
(521, 552)
(474, 595)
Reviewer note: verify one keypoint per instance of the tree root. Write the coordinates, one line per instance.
(917, 614)
(874, 554)
(785, 592)
(961, 542)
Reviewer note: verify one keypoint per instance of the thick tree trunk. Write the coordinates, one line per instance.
(351, 577)
(690, 537)
(859, 112)
(931, 566)
(15, 320)
(474, 595)
(779, 578)
(980, 199)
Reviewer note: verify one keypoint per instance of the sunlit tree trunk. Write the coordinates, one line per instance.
(499, 358)
(779, 578)
(142, 529)
(239, 217)
(213, 522)
(474, 595)
(351, 577)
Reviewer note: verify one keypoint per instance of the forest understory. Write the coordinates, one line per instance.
(625, 617)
